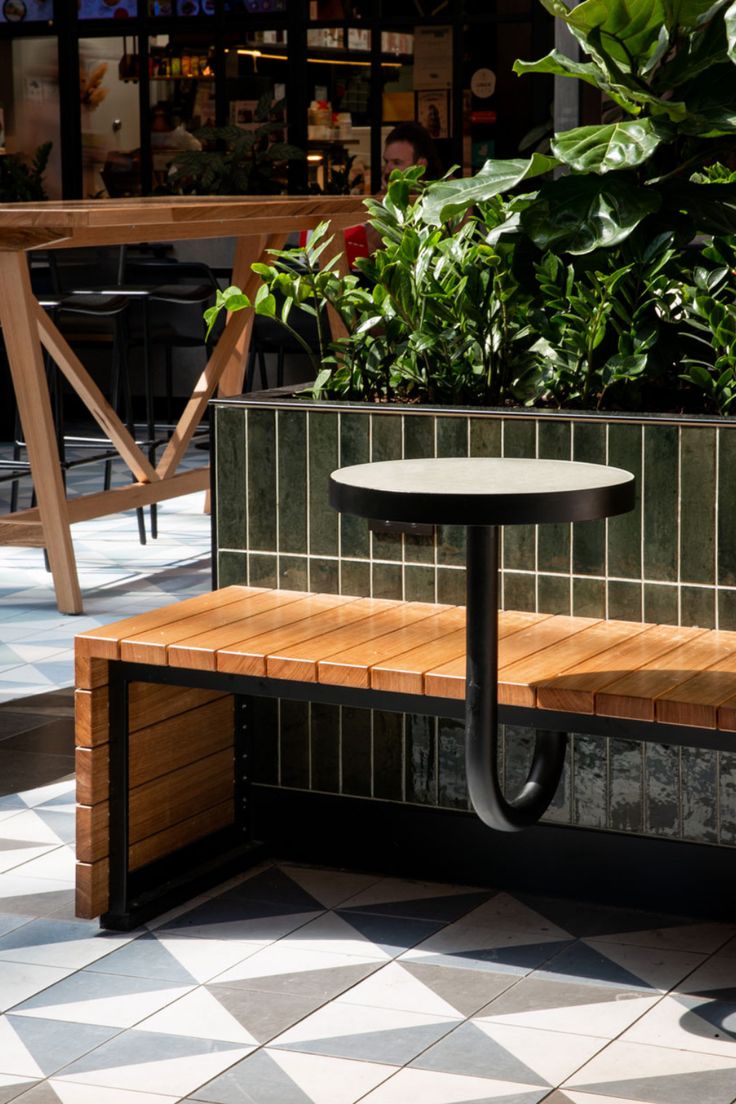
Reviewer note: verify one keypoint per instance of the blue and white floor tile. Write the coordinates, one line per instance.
(296, 985)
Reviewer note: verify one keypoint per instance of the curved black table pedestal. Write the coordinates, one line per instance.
(481, 704)
(482, 494)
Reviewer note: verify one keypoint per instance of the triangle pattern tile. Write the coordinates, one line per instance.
(330, 887)
(51, 1044)
(237, 918)
(447, 1088)
(604, 1020)
(11, 1087)
(517, 959)
(276, 886)
(285, 1077)
(59, 821)
(65, 1092)
(264, 1015)
(398, 986)
(150, 1062)
(88, 997)
(331, 933)
(467, 991)
(689, 1023)
(471, 1050)
(198, 1015)
(446, 908)
(19, 981)
(63, 943)
(570, 1096)
(657, 1075)
(619, 965)
(392, 934)
(145, 957)
(713, 1086)
(280, 968)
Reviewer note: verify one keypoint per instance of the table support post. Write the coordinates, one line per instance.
(481, 708)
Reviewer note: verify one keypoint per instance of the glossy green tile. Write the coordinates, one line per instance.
(588, 537)
(262, 569)
(625, 600)
(292, 476)
(661, 449)
(355, 751)
(230, 478)
(232, 569)
(419, 549)
(698, 606)
(626, 780)
(559, 810)
(294, 744)
(520, 437)
(554, 439)
(386, 545)
(265, 745)
(519, 591)
(727, 798)
(697, 505)
(324, 748)
(419, 583)
(519, 547)
(419, 436)
(324, 576)
(387, 581)
(293, 573)
(624, 531)
(388, 756)
(661, 790)
(261, 448)
(726, 510)
(354, 449)
(553, 547)
(590, 791)
(420, 780)
(323, 459)
(451, 586)
(588, 598)
(452, 789)
(486, 436)
(356, 577)
(661, 604)
(518, 748)
(699, 790)
(727, 609)
(452, 436)
(553, 594)
(451, 545)
(386, 434)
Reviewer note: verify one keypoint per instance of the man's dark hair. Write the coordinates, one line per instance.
(423, 145)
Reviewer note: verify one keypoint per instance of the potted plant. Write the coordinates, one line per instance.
(576, 305)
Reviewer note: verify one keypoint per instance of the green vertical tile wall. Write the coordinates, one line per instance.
(292, 480)
(324, 457)
(697, 510)
(661, 604)
(727, 798)
(626, 780)
(452, 788)
(553, 594)
(355, 577)
(726, 507)
(698, 606)
(230, 486)
(418, 583)
(386, 444)
(324, 747)
(588, 598)
(519, 591)
(661, 790)
(699, 784)
(293, 573)
(356, 752)
(294, 745)
(388, 756)
(588, 538)
(519, 541)
(354, 449)
(661, 450)
(486, 437)
(261, 496)
(419, 432)
(263, 570)
(232, 569)
(420, 779)
(625, 600)
(590, 799)
(624, 531)
(553, 541)
(452, 436)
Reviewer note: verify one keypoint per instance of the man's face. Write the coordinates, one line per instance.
(399, 155)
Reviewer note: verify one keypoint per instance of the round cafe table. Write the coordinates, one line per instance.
(483, 494)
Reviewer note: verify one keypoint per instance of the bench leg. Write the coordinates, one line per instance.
(481, 710)
(139, 895)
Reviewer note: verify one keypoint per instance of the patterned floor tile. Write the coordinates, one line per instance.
(414, 987)
(517, 1054)
(283, 1077)
(92, 998)
(570, 1096)
(59, 943)
(372, 1034)
(38, 1048)
(500, 935)
(418, 900)
(572, 1007)
(285, 968)
(174, 957)
(17, 853)
(19, 981)
(657, 1075)
(621, 965)
(330, 887)
(55, 864)
(445, 1088)
(11, 1087)
(150, 1062)
(229, 917)
(364, 934)
(61, 1092)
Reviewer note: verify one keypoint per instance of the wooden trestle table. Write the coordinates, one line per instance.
(257, 223)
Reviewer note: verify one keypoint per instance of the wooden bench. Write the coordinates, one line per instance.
(164, 700)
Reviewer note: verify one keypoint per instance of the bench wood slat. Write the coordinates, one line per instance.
(633, 696)
(405, 673)
(575, 689)
(104, 642)
(248, 656)
(201, 650)
(696, 701)
(153, 646)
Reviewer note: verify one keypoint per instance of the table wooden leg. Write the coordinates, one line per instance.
(20, 331)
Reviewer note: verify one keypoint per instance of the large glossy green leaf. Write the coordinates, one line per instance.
(689, 14)
(603, 149)
(712, 104)
(730, 23)
(629, 28)
(712, 207)
(581, 213)
(559, 65)
(445, 199)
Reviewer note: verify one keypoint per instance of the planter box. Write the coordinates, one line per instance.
(672, 560)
